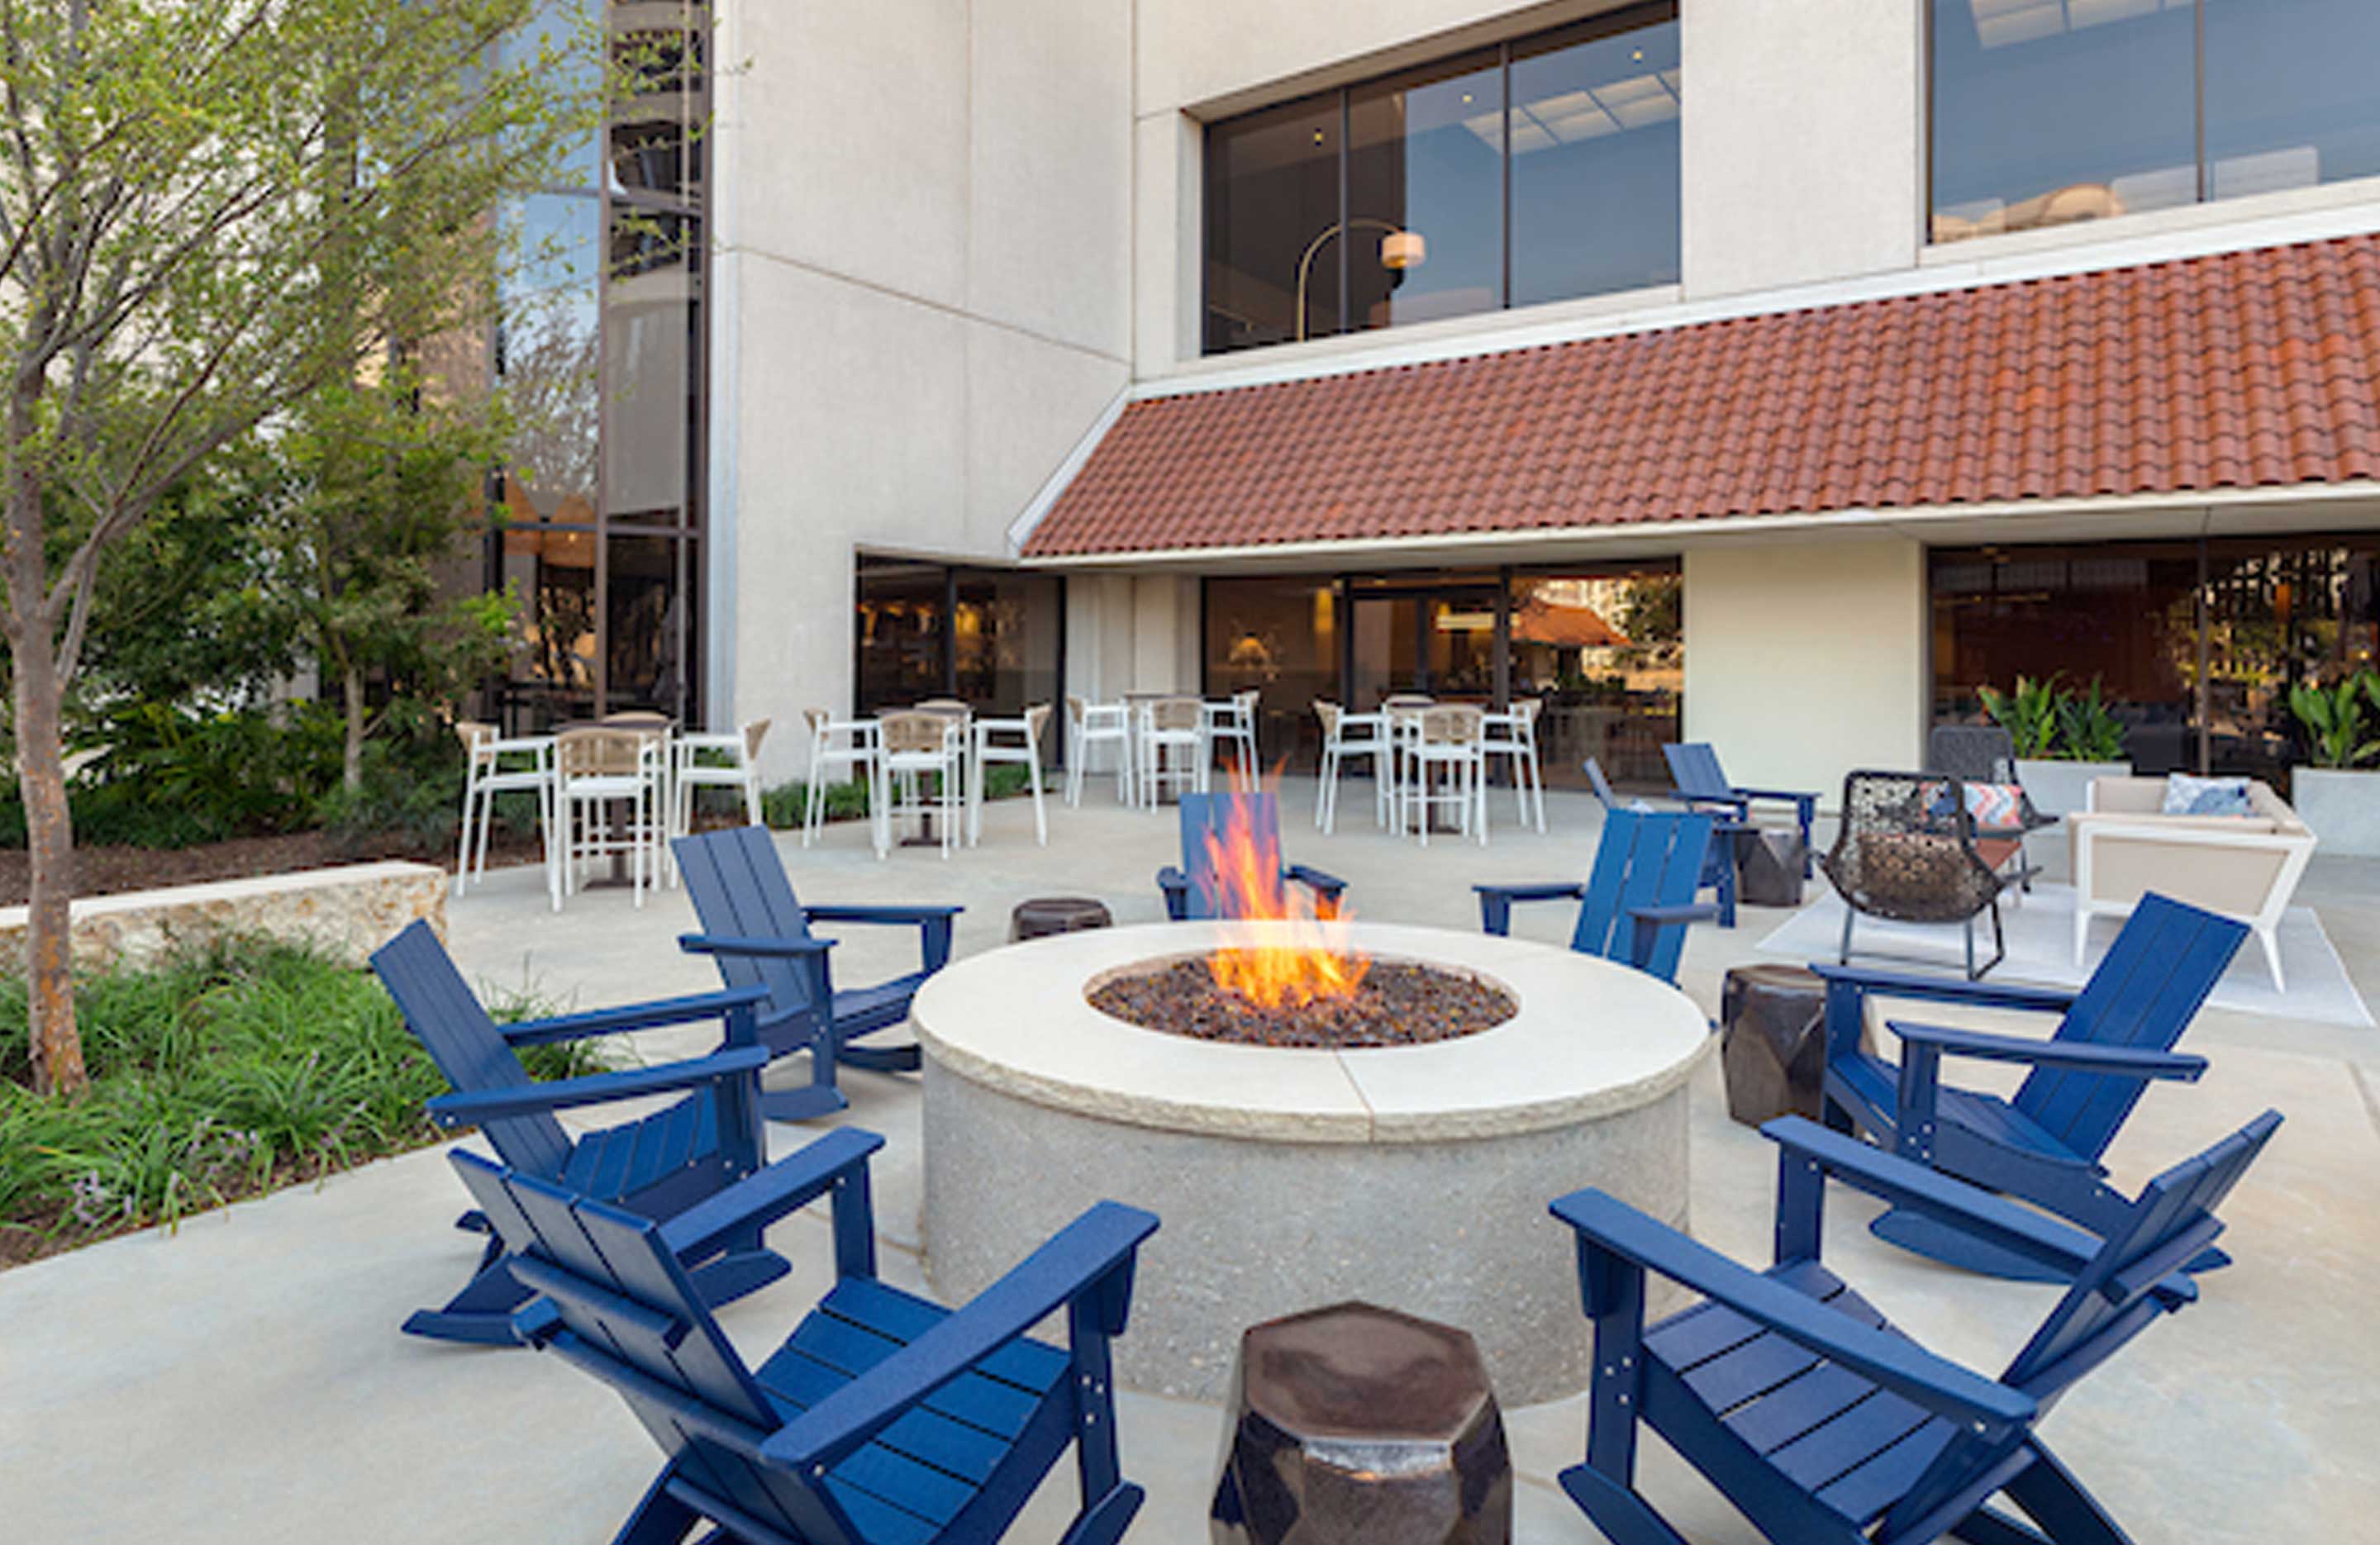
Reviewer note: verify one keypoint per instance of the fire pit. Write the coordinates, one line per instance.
(1292, 1173)
(1395, 1003)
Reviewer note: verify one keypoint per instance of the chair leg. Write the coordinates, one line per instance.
(1033, 781)
(1843, 957)
(2054, 1499)
(2270, 939)
(463, 849)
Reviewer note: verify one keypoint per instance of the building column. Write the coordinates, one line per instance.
(1807, 659)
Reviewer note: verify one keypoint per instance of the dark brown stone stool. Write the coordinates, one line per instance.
(1773, 1041)
(1045, 915)
(1354, 1425)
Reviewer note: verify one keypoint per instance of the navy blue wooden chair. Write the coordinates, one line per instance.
(1637, 899)
(2046, 1143)
(1719, 859)
(1693, 767)
(884, 1420)
(759, 934)
(1192, 891)
(657, 1165)
(1819, 1420)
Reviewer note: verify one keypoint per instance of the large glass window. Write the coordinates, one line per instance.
(1278, 636)
(2197, 643)
(1602, 649)
(993, 638)
(1533, 171)
(600, 355)
(2049, 112)
(1604, 652)
(1594, 137)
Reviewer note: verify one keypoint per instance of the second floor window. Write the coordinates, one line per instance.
(2049, 112)
(1538, 170)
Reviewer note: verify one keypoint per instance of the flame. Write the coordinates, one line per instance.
(1312, 961)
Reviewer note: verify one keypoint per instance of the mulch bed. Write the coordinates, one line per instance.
(1398, 1005)
(108, 871)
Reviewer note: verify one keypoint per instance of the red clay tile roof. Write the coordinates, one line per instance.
(2257, 369)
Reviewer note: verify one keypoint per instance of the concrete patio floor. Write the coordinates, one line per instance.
(243, 1378)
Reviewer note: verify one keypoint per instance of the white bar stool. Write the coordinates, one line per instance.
(492, 766)
(986, 751)
(1089, 724)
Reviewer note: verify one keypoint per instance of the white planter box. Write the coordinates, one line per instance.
(2062, 788)
(2342, 807)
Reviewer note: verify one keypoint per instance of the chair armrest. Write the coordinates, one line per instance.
(1948, 989)
(1679, 912)
(728, 944)
(633, 1016)
(1787, 795)
(1496, 901)
(881, 915)
(1905, 1183)
(1739, 803)
(1326, 886)
(2123, 1061)
(1540, 890)
(1074, 1262)
(478, 1106)
(761, 1199)
(1923, 1378)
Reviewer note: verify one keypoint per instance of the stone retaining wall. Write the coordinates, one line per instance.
(349, 911)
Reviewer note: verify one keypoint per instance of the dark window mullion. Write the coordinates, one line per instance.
(2198, 86)
(1346, 152)
(1504, 68)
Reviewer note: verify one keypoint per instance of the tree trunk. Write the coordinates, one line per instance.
(49, 840)
(351, 762)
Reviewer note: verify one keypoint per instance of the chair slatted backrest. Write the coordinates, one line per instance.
(2115, 1297)
(1605, 794)
(1693, 767)
(1205, 815)
(633, 1318)
(1646, 859)
(2143, 995)
(446, 1017)
(739, 890)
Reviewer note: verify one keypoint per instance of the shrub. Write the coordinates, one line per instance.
(217, 1073)
(2333, 717)
(2029, 714)
(2088, 730)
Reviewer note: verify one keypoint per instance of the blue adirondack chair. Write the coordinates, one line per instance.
(759, 934)
(1637, 899)
(1822, 1423)
(884, 1420)
(2045, 1143)
(1693, 767)
(1719, 859)
(1190, 892)
(657, 1165)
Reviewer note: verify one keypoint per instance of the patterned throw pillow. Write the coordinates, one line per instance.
(2185, 795)
(1996, 806)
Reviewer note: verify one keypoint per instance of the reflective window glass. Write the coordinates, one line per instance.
(1272, 206)
(2289, 94)
(1595, 112)
(2048, 111)
(1425, 194)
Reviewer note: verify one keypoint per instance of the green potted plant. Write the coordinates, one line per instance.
(2337, 792)
(2064, 738)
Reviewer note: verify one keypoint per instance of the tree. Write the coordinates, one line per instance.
(371, 488)
(209, 213)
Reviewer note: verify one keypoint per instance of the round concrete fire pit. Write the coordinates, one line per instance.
(1413, 1177)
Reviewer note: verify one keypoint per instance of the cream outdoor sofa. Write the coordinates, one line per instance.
(2243, 866)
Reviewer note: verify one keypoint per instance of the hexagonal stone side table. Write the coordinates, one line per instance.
(1358, 1424)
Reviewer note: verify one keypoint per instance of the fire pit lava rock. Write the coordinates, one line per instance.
(1412, 1175)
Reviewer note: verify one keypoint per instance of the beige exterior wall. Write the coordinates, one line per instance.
(1807, 659)
(922, 237)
